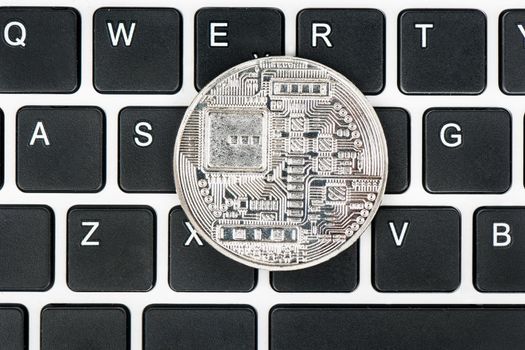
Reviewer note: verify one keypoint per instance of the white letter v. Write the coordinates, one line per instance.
(398, 238)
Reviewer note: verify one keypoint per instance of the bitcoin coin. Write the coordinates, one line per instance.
(280, 163)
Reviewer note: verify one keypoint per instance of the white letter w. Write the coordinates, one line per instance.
(121, 30)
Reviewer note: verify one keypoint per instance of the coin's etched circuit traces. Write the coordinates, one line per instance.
(280, 163)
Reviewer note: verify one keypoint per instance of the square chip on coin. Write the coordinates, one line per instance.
(235, 141)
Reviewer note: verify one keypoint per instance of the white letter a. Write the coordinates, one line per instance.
(39, 133)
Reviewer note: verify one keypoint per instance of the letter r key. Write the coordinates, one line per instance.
(327, 35)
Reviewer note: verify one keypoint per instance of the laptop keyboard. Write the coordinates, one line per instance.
(96, 252)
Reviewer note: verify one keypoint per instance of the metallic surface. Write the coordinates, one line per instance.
(280, 163)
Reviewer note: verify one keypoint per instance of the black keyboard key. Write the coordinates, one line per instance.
(416, 249)
(339, 274)
(2, 146)
(512, 52)
(226, 37)
(196, 266)
(84, 327)
(467, 150)
(351, 41)
(192, 327)
(407, 327)
(26, 249)
(137, 50)
(499, 259)
(146, 139)
(39, 50)
(13, 327)
(111, 249)
(60, 149)
(442, 52)
(396, 126)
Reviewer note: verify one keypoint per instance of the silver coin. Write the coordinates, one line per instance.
(280, 163)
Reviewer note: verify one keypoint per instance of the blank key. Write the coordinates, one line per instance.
(200, 327)
(13, 327)
(400, 327)
(84, 327)
(339, 274)
(26, 248)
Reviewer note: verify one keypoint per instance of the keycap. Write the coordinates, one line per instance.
(467, 150)
(351, 41)
(339, 274)
(499, 257)
(26, 249)
(192, 327)
(512, 52)
(226, 37)
(111, 248)
(13, 327)
(40, 50)
(442, 51)
(83, 327)
(2, 146)
(416, 249)
(137, 50)
(195, 266)
(396, 126)
(407, 327)
(146, 139)
(60, 149)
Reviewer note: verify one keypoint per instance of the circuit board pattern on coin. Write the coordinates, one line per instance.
(280, 163)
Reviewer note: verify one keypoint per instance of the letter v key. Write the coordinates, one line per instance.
(398, 238)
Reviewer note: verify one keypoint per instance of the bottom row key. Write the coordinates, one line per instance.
(13, 331)
(79, 327)
(191, 327)
(407, 327)
(225, 327)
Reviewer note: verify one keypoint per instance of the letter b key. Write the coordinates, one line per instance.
(499, 243)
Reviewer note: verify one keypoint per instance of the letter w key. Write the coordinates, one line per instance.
(137, 50)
